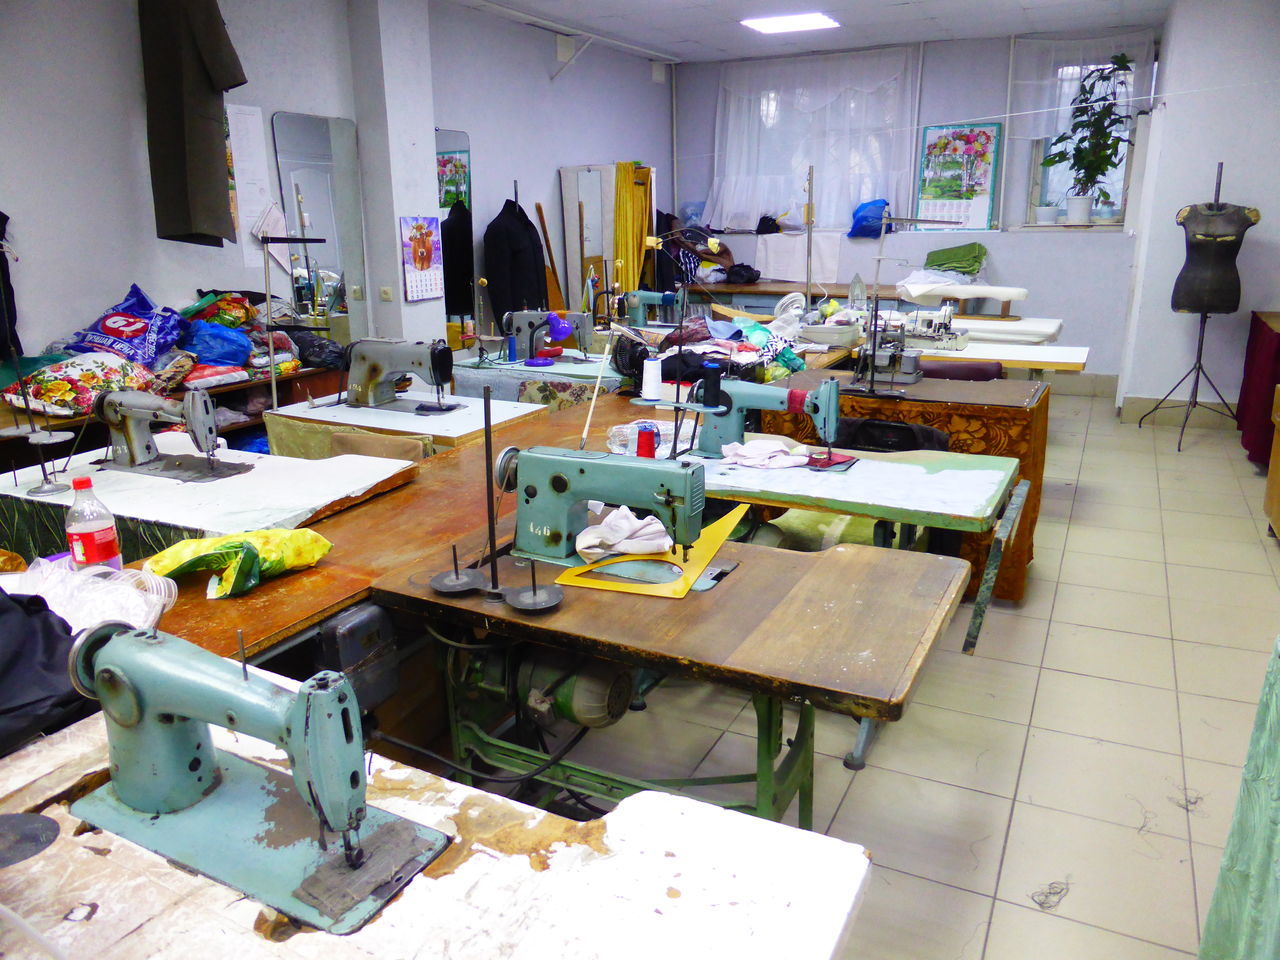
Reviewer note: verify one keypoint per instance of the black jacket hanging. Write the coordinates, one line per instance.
(8, 308)
(513, 262)
(458, 250)
(187, 63)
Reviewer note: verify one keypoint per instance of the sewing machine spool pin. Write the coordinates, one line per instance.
(224, 816)
(458, 580)
(534, 599)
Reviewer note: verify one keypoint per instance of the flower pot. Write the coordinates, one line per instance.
(1046, 214)
(1079, 209)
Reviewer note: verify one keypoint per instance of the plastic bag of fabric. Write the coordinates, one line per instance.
(217, 346)
(203, 376)
(136, 328)
(868, 218)
(241, 560)
(317, 351)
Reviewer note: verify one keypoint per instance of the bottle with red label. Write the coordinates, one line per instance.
(91, 529)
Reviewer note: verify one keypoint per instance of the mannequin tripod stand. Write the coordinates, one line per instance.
(1195, 373)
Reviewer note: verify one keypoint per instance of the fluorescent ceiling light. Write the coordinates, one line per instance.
(790, 23)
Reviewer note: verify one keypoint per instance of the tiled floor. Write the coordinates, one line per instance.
(1095, 740)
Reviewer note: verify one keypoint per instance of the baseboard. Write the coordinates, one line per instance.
(1133, 409)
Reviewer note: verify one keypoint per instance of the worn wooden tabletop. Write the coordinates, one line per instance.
(847, 628)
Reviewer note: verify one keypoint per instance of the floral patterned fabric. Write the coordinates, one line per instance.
(556, 394)
(69, 387)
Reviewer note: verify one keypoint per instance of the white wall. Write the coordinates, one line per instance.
(1080, 276)
(492, 79)
(1220, 82)
(74, 175)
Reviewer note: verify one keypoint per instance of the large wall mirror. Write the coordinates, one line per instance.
(457, 238)
(320, 196)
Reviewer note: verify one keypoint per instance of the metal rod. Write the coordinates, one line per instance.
(533, 576)
(488, 487)
(244, 660)
(808, 240)
(455, 561)
(266, 323)
(1217, 184)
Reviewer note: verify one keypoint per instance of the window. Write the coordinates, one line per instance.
(851, 116)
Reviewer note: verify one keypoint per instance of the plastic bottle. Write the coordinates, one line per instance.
(91, 529)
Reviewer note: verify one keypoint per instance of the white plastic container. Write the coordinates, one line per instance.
(91, 530)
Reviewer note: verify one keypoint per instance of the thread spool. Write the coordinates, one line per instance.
(646, 441)
(651, 380)
(710, 384)
(512, 351)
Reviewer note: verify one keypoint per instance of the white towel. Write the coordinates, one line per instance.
(622, 532)
(769, 454)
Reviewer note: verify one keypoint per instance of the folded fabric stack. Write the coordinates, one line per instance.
(967, 258)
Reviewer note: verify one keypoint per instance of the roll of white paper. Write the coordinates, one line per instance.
(651, 383)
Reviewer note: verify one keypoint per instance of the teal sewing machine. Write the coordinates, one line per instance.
(554, 486)
(228, 818)
(638, 302)
(736, 397)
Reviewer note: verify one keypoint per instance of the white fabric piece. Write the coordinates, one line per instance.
(780, 256)
(850, 115)
(766, 454)
(1027, 330)
(622, 532)
(929, 287)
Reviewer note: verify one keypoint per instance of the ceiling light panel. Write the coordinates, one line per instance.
(790, 23)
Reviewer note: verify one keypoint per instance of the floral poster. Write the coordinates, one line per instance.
(957, 175)
(420, 251)
(453, 171)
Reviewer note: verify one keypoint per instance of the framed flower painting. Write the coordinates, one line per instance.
(958, 165)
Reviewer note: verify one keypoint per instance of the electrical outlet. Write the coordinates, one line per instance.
(357, 292)
(384, 293)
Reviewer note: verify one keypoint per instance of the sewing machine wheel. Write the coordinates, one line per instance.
(84, 648)
(504, 469)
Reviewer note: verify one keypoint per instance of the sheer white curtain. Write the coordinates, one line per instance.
(1042, 67)
(850, 115)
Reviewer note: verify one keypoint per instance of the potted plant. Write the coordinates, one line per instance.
(1099, 126)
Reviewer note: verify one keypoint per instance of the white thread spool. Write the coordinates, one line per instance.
(651, 381)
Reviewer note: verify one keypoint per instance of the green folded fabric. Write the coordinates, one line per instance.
(966, 258)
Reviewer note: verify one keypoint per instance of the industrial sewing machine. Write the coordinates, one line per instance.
(129, 415)
(736, 397)
(376, 365)
(554, 486)
(228, 818)
(521, 324)
(669, 305)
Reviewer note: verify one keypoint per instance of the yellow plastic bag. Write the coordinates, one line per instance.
(243, 560)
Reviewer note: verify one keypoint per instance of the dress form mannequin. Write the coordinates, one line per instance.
(1208, 283)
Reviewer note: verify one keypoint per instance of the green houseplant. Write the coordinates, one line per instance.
(1091, 148)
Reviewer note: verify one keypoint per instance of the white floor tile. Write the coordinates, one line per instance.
(926, 828)
(961, 749)
(1135, 884)
(1225, 587)
(1026, 932)
(698, 702)
(1094, 652)
(1004, 636)
(1037, 600)
(1108, 710)
(1214, 671)
(1224, 624)
(1217, 554)
(1115, 573)
(1187, 502)
(928, 920)
(1131, 544)
(1116, 516)
(1216, 730)
(1210, 798)
(1207, 861)
(649, 745)
(1112, 610)
(1209, 526)
(1124, 785)
(977, 685)
(1096, 491)
(1050, 534)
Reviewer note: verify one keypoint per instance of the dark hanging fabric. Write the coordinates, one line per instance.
(35, 693)
(667, 268)
(513, 262)
(457, 248)
(9, 308)
(187, 63)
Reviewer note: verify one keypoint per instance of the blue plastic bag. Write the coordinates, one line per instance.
(136, 328)
(868, 218)
(216, 345)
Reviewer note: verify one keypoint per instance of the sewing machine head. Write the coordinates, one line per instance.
(221, 815)
(524, 324)
(638, 302)
(129, 415)
(736, 397)
(376, 365)
(554, 486)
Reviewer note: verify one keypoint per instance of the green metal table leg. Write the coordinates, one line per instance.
(1004, 532)
(776, 786)
(856, 758)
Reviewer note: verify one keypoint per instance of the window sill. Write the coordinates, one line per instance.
(1103, 227)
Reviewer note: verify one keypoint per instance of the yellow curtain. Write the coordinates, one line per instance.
(632, 205)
